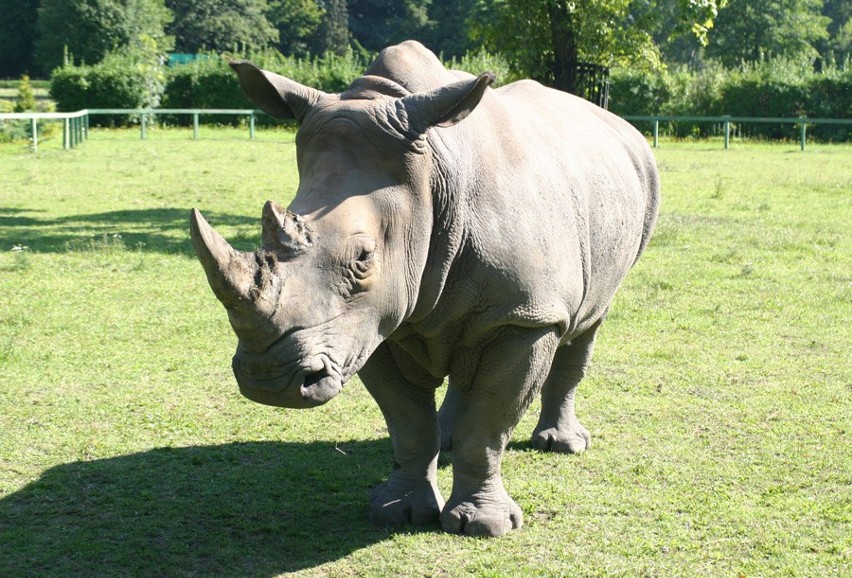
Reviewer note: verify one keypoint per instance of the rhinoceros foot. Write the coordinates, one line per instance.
(571, 440)
(398, 502)
(483, 514)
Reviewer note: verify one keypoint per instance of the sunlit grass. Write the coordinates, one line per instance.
(718, 399)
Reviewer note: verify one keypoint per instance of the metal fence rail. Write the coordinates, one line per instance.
(147, 115)
(726, 120)
(75, 125)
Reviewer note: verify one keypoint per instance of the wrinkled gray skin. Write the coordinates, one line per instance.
(441, 228)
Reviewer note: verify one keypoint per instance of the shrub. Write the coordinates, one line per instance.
(26, 99)
(210, 83)
(203, 83)
(133, 79)
(481, 61)
(778, 88)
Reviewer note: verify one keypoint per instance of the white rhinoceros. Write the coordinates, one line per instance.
(440, 228)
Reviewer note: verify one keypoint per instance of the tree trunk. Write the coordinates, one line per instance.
(564, 46)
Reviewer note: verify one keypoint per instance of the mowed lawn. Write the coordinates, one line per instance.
(719, 397)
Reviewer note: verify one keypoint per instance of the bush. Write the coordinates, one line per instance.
(203, 83)
(481, 61)
(26, 99)
(210, 83)
(779, 88)
(130, 80)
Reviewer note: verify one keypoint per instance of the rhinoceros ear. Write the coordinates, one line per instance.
(446, 105)
(275, 95)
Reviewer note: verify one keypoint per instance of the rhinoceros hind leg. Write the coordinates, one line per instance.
(558, 429)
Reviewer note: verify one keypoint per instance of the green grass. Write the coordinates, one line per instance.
(718, 399)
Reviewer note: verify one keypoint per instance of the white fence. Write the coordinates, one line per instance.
(75, 125)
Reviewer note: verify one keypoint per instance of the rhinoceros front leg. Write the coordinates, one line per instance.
(558, 429)
(508, 375)
(406, 396)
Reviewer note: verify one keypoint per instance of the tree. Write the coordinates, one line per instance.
(333, 32)
(376, 24)
(17, 34)
(221, 25)
(447, 32)
(89, 29)
(837, 48)
(297, 21)
(754, 30)
(547, 39)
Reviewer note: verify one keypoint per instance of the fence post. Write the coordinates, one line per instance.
(34, 127)
(656, 132)
(727, 132)
(251, 125)
(65, 134)
(802, 131)
(143, 125)
(194, 126)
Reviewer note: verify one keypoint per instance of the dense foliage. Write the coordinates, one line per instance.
(684, 56)
(539, 37)
(87, 30)
(220, 25)
(129, 79)
(782, 89)
(17, 36)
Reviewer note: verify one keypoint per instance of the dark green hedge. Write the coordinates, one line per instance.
(774, 89)
(204, 83)
(770, 89)
(118, 82)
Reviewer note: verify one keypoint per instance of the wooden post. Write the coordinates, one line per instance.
(803, 128)
(143, 125)
(194, 126)
(34, 127)
(251, 125)
(656, 132)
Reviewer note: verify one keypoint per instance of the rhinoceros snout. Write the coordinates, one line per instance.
(301, 388)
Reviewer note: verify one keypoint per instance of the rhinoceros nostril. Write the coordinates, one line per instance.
(314, 378)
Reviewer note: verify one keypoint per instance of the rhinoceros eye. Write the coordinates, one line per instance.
(364, 258)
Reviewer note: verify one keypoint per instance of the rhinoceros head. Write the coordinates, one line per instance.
(340, 269)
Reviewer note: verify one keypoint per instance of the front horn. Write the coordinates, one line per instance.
(230, 272)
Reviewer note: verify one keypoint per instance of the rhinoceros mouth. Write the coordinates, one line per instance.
(321, 386)
(302, 388)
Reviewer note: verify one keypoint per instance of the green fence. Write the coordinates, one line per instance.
(802, 122)
(149, 115)
(76, 124)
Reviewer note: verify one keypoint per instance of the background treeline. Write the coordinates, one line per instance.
(738, 57)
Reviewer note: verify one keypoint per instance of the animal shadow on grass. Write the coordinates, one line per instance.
(241, 509)
(148, 230)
